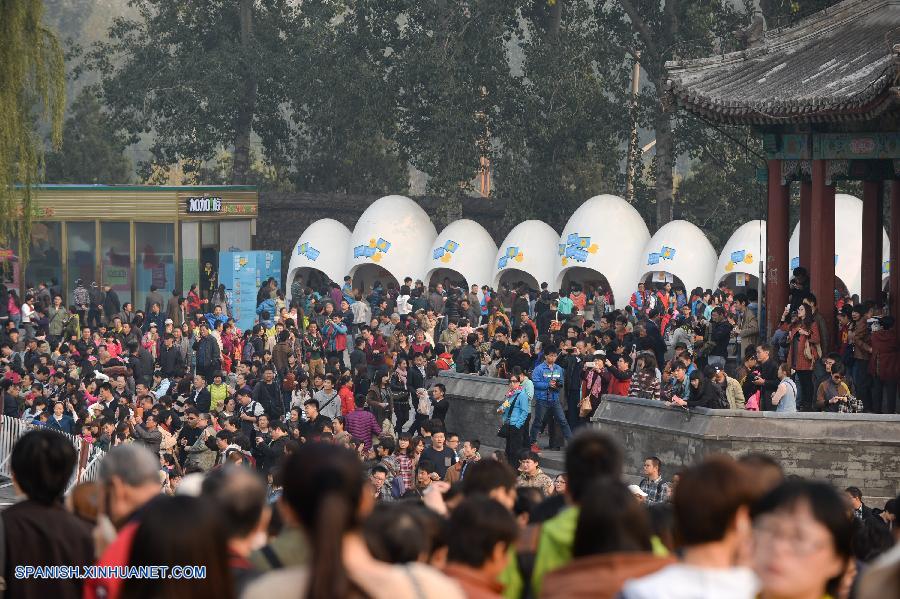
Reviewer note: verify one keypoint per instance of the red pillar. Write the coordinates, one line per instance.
(805, 215)
(895, 248)
(821, 259)
(872, 224)
(777, 235)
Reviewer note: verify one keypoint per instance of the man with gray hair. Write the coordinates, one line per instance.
(129, 479)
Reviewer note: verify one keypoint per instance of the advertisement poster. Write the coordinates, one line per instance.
(242, 273)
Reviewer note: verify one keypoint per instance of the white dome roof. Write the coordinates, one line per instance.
(322, 246)
(393, 233)
(680, 248)
(465, 247)
(607, 235)
(743, 251)
(530, 247)
(847, 242)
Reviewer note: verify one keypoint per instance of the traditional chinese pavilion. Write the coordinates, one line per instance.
(825, 97)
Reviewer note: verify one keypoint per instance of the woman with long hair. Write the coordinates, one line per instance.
(804, 348)
(326, 492)
(404, 456)
(176, 532)
(612, 544)
(379, 399)
(400, 392)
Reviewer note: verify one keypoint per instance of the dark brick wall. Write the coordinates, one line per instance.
(284, 216)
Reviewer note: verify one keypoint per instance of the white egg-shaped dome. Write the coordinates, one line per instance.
(847, 242)
(529, 248)
(323, 247)
(606, 235)
(466, 248)
(743, 251)
(681, 249)
(393, 233)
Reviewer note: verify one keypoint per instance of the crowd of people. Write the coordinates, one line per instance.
(720, 528)
(343, 367)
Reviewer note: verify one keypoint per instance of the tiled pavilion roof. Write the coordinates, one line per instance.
(841, 64)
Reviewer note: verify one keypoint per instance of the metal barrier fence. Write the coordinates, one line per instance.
(87, 464)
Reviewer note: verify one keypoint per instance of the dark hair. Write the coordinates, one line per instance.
(395, 534)
(589, 455)
(323, 486)
(484, 476)
(239, 495)
(177, 531)
(426, 465)
(827, 507)
(611, 522)
(475, 527)
(707, 499)
(42, 462)
(854, 492)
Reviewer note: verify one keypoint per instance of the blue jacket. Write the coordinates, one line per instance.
(212, 319)
(66, 424)
(542, 376)
(518, 409)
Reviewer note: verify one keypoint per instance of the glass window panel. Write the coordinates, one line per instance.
(155, 260)
(209, 234)
(45, 256)
(82, 247)
(115, 258)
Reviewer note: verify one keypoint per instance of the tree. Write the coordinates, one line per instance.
(563, 130)
(200, 76)
(92, 149)
(32, 74)
(344, 109)
(652, 33)
(451, 73)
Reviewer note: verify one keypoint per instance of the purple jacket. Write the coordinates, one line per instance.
(361, 424)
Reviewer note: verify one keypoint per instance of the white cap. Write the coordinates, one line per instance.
(636, 490)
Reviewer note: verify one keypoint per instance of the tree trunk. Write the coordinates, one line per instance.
(243, 125)
(665, 159)
(555, 19)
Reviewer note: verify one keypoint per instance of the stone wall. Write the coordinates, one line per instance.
(473, 406)
(861, 450)
(284, 216)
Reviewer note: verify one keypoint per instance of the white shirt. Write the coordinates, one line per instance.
(27, 311)
(681, 581)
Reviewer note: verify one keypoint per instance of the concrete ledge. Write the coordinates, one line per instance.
(473, 406)
(845, 449)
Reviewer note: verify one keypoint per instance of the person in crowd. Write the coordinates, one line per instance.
(180, 531)
(515, 410)
(801, 541)
(785, 397)
(590, 455)
(480, 532)
(657, 489)
(324, 490)
(39, 531)
(612, 544)
(240, 498)
(854, 497)
(805, 343)
(712, 508)
(129, 474)
(548, 381)
(530, 473)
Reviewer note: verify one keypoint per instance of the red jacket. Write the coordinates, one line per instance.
(117, 554)
(347, 402)
(885, 362)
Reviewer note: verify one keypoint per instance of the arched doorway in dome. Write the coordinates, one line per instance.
(657, 279)
(588, 280)
(740, 282)
(306, 276)
(441, 275)
(513, 276)
(365, 275)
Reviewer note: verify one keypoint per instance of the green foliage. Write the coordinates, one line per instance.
(92, 149)
(178, 69)
(564, 131)
(721, 191)
(31, 73)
